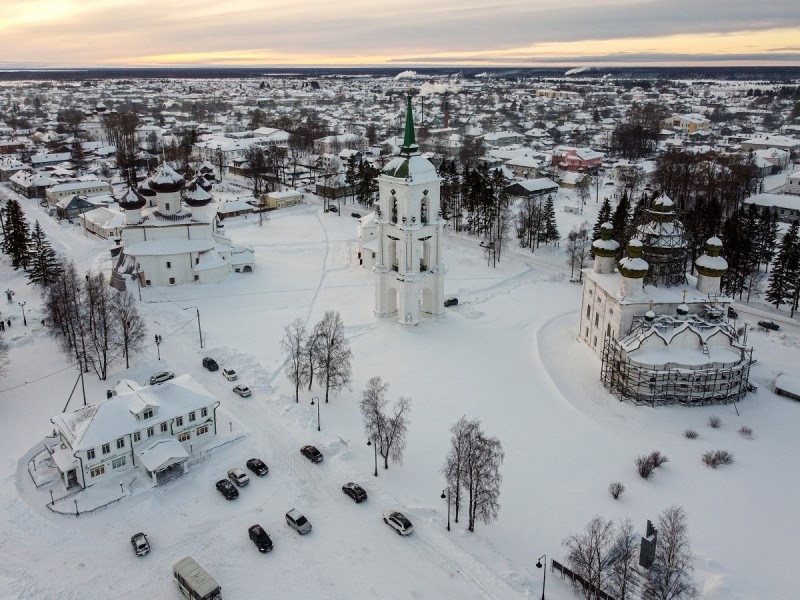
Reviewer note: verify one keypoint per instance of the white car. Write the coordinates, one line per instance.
(238, 476)
(242, 390)
(398, 522)
(230, 374)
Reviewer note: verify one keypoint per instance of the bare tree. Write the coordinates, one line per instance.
(455, 464)
(293, 344)
(102, 351)
(388, 431)
(588, 552)
(483, 478)
(578, 249)
(333, 354)
(624, 553)
(3, 356)
(121, 131)
(670, 577)
(130, 329)
(310, 366)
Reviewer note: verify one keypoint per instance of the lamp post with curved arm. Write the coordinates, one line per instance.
(544, 573)
(312, 404)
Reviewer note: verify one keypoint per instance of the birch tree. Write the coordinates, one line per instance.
(670, 576)
(332, 352)
(293, 345)
(387, 429)
(588, 553)
(130, 326)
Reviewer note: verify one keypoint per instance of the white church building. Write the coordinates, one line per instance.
(175, 241)
(401, 240)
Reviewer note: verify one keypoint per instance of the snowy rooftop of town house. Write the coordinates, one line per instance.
(112, 418)
(777, 200)
(161, 453)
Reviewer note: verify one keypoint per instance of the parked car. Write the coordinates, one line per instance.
(161, 377)
(769, 325)
(237, 476)
(227, 489)
(260, 538)
(257, 466)
(210, 364)
(398, 522)
(332, 208)
(311, 453)
(355, 215)
(140, 544)
(355, 491)
(451, 302)
(732, 314)
(230, 374)
(297, 521)
(242, 390)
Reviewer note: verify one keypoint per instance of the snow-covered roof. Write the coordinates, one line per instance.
(168, 247)
(161, 453)
(415, 167)
(788, 383)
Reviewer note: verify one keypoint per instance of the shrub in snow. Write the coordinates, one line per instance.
(714, 458)
(616, 489)
(690, 434)
(746, 432)
(645, 467)
(657, 458)
(714, 422)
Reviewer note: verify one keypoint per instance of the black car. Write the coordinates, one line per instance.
(257, 466)
(140, 544)
(769, 325)
(210, 364)
(732, 314)
(227, 489)
(260, 538)
(332, 208)
(311, 453)
(355, 491)
(355, 215)
(451, 302)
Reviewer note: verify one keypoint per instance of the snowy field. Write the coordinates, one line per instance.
(506, 354)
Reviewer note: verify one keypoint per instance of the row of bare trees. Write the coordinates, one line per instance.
(323, 352)
(94, 324)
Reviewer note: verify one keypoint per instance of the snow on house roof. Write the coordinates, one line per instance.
(788, 384)
(104, 217)
(537, 185)
(161, 453)
(777, 200)
(112, 418)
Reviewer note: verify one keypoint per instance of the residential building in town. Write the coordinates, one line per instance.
(686, 123)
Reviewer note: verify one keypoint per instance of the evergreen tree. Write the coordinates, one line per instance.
(768, 233)
(603, 216)
(45, 265)
(17, 240)
(783, 280)
(622, 221)
(551, 233)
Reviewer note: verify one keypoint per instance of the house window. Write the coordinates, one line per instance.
(588, 310)
(197, 277)
(90, 454)
(192, 416)
(611, 311)
(148, 414)
(172, 281)
(120, 443)
(166, 206)
(586, 335)
(97, 471)
(151, 431)
(178, 421)
(118, 462)
(197, 260)
(203, 412)
(106, 448)
(596, 319)
(137, 437)
(164, 428)
(595, 341)
(185, 436)
(169, 265)
(146, 282)
(201, 430)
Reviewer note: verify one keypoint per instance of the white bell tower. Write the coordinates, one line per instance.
(408, 265)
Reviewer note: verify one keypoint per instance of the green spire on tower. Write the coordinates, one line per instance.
(409, 139)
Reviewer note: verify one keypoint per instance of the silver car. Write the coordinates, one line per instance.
(297, 521)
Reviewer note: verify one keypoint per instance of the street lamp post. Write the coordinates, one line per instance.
(52, 500)
(76, 508)
(312, 404)
(158, 345)
(199, 329)
(544, 573)
(24, 320)
(446, 494)
(375, 447)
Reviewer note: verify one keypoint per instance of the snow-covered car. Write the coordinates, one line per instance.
(227, 489)
(161, 377)
(311, 453)
(355, 491)
(296, 520)
(230, 374)
(257, 466)
(242, 390)
(260, 538)
(237, 476)
(398, 522)
(140, 544)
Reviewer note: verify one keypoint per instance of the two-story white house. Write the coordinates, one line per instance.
(151, 427)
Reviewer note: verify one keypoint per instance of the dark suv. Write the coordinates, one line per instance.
(355, 491)
(311, 453)
(227, 489)
(260, 538)
(210, 364)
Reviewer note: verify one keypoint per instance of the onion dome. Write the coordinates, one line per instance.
(410, 164)
(145, 189)
(682, 310)
(166, 180)
(634, 266)
(604, 245)
(100, 107)
(649, 316)
(711, 264)
(664, 208)
(132, 200)
(195, 195)
(203, 182)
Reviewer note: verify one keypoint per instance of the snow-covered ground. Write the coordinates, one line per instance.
(506, 354)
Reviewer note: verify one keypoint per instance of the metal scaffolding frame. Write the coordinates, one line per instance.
(663, 244)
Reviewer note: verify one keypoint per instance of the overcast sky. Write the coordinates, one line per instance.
(117, 33)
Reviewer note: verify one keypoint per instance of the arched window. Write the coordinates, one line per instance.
(394, 209)
(423, 208)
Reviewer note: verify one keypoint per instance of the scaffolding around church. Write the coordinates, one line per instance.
(673, 383)
(663, 243)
